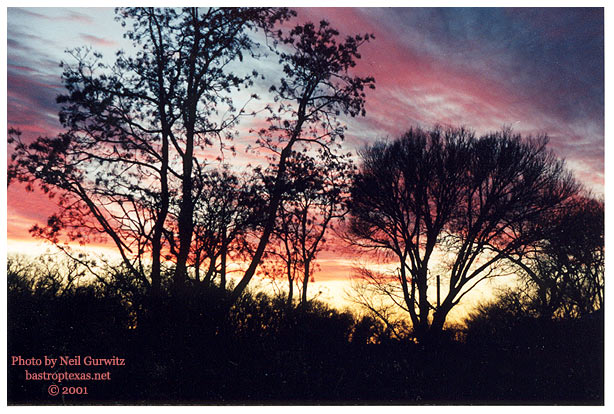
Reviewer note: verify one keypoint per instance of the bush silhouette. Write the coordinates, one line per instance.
(263, 351)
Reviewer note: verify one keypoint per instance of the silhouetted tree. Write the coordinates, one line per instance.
(317, 86)
(564, 269)
(127, 165)
(226, 207)
(133, 129)
(308, 210)
(446, 196)
(281, 259)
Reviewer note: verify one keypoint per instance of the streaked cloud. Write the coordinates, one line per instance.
(539, 70)
(97, 41)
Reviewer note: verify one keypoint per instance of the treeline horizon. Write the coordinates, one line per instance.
(264, 352)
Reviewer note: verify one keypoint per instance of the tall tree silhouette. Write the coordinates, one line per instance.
(133, 128)
(126, 166)
(445, 196)
(317, 86)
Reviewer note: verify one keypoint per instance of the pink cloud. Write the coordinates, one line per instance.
(412, 87)
(98, 41)
(415, 87)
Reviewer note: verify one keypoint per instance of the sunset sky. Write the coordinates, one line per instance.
(536, 70)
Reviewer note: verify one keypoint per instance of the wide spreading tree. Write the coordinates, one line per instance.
(445, 200)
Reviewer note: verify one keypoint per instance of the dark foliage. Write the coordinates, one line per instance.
(537, 356)
(446, 191)
(182, 352)
(129, 169)
(564, 272)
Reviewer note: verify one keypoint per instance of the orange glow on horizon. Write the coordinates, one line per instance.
(332, 284)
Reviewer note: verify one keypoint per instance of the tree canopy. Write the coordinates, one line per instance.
(129, 166)
(446, 196)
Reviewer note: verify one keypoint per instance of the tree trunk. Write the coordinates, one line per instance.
(186, 214)
(290, 284)
(156, 248)
(271, 216)
(439, 318)
(305, 282)
(197, 267)
(223, 262)
(186, 225)
(423, 304)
